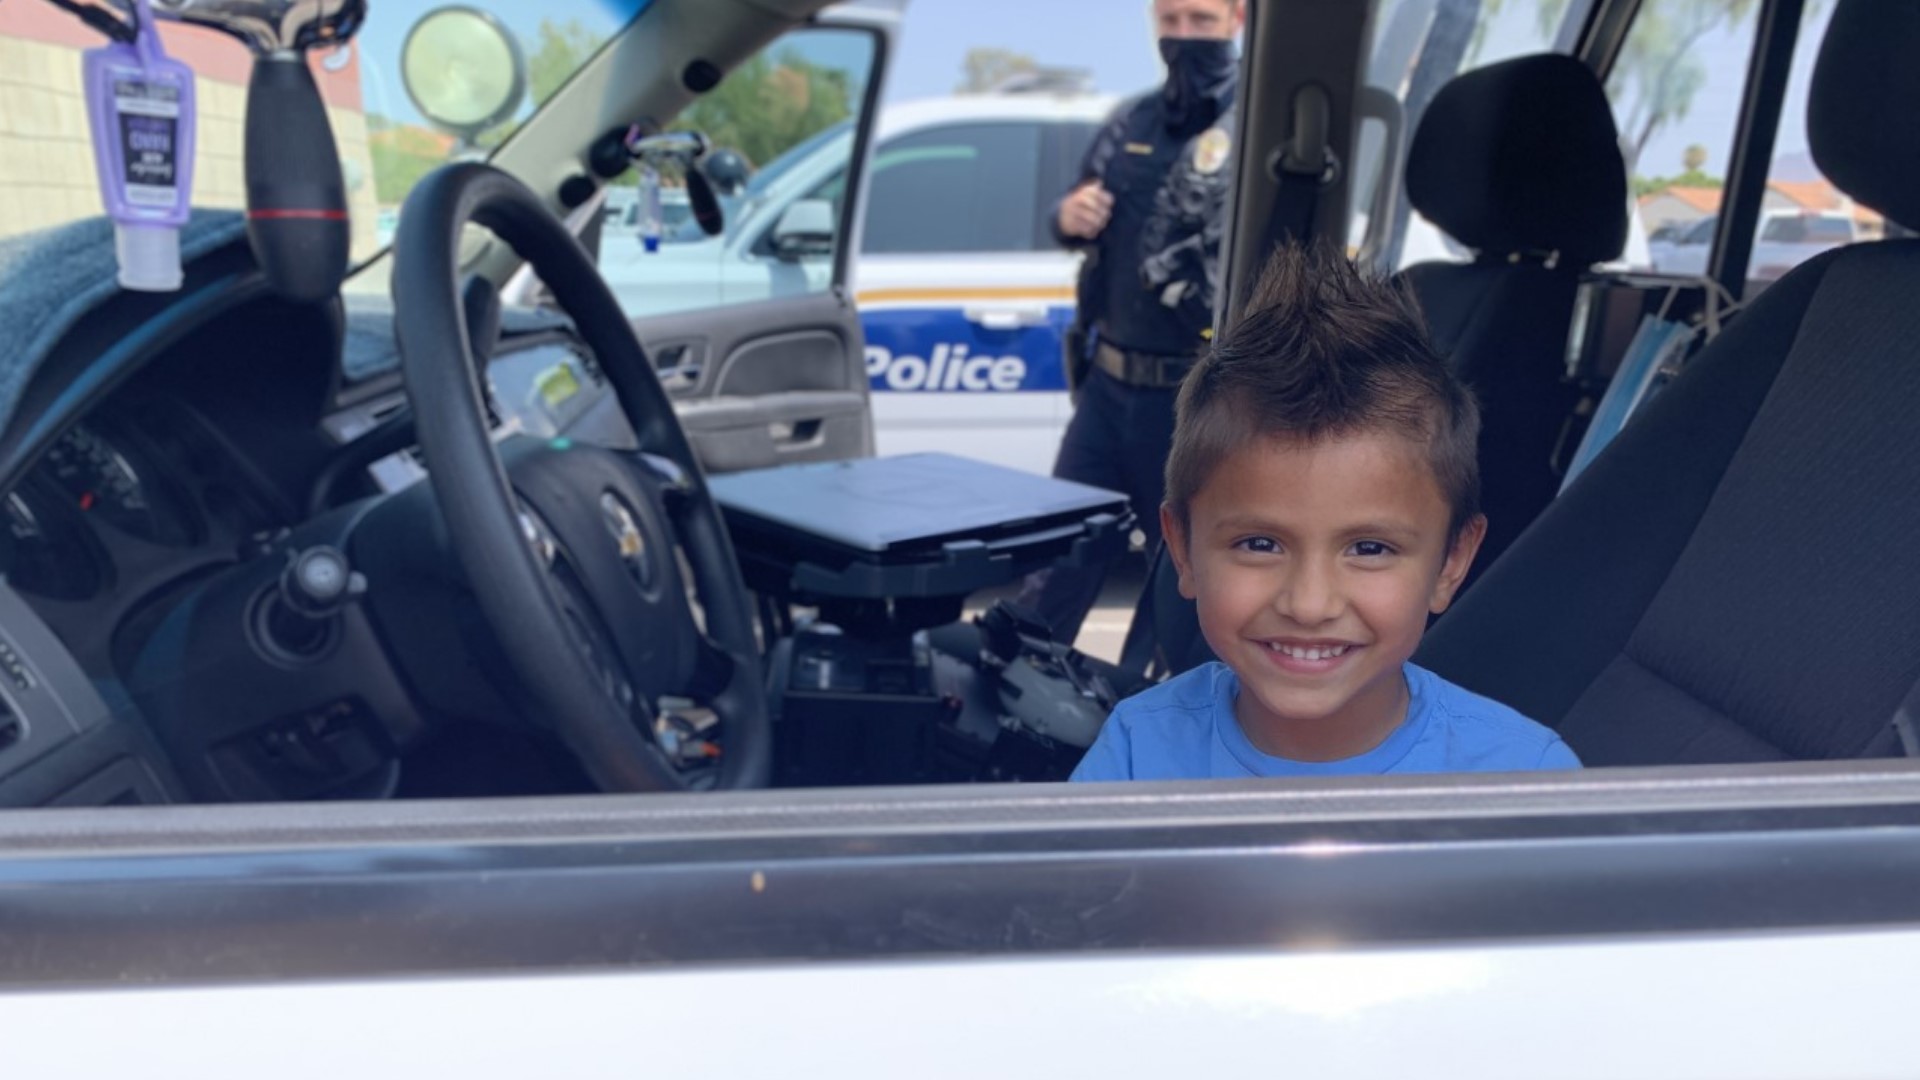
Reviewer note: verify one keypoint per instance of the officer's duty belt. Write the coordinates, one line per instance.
(1142, 369)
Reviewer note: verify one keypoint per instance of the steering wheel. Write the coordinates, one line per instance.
(574, 551)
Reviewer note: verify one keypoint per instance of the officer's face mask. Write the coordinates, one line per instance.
(1196, 70)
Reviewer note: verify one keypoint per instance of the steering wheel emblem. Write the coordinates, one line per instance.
(628, 537)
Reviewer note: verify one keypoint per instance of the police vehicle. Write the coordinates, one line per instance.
(1727, 892)
(963, 293)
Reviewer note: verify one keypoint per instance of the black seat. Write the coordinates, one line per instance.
(1519, 161)
(1737, 577)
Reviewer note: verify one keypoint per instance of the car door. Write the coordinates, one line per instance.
(964, 308)
(754, 332)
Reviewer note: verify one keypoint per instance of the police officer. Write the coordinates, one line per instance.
(1148, 211)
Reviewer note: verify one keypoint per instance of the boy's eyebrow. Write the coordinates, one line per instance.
(1237, 522)
(1242, 522)
(1382, 528)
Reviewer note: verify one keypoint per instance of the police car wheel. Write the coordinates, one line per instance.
(571, 551)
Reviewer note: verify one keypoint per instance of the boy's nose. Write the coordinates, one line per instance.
(1311, 596)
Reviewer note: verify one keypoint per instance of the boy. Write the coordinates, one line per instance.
(1322, 500)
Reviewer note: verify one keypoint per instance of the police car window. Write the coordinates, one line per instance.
(1801, 213)
(963, 188)
(1676, 89)
(1417, 46)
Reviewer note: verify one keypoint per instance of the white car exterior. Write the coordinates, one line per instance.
(963, 293)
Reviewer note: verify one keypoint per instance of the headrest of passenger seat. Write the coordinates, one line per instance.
(1523, 156)
(1861, 123)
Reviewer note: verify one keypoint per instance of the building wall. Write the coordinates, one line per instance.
(1659, 211)
(46, 155)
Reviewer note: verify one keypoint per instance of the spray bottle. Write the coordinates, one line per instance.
(650, 208)
(141, 105)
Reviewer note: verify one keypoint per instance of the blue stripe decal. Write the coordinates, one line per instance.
(938, 350)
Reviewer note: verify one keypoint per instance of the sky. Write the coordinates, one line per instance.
(1111, 40)
(1716, 107)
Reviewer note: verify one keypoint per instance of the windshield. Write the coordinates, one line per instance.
(386, 144)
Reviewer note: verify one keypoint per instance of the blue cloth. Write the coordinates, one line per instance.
(1184, 729)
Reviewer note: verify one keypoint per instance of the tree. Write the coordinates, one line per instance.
(1695, 158)
(563, 48)
(401, 155)
(1659, 64)
(986, 67)
(770, 104)
(1692, 178)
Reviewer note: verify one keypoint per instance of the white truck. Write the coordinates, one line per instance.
(1785, 239)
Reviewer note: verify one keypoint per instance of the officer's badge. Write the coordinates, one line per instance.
(1210, 152)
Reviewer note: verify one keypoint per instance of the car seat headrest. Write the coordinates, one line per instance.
(1523, 157)
(1861, 126)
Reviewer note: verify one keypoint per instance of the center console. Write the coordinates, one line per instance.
(856, 562)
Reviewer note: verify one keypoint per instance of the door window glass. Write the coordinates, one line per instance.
(1676, 88)
(1802, 214)
(1417, 46)
(785, 121)
(965, 188)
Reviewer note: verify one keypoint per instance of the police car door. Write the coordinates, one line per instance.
(963, 293)
(753, 332)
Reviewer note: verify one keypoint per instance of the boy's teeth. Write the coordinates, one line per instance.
(1299, 653)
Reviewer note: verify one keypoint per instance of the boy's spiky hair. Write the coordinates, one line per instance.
(1322, 351)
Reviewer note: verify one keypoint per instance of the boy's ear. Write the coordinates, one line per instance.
(1176, 534)
(1459, 561)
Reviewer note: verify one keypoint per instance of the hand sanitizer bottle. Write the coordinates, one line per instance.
(141, 105)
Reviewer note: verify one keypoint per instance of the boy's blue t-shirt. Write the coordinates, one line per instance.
(1184, 729)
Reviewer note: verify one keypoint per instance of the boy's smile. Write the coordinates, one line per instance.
(1314, 567)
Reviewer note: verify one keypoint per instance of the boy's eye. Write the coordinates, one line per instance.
(1371, 549)
(1262, 545)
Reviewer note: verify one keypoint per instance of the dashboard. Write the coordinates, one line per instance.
(150, 475)
(139, 546)
(143, 493)
(91, 483)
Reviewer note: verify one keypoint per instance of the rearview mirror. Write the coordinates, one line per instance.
(464, 70)
(805, 229)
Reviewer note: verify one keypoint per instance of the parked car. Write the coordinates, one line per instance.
(1786, 238)
(1672, 248)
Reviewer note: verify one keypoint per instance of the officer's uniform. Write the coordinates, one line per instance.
(1145, 314)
